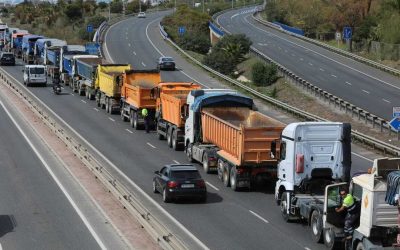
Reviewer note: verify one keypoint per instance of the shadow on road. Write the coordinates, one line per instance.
(7, 224)
(211, 198)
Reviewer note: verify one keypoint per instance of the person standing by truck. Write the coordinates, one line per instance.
(145, 114)
(348, 204)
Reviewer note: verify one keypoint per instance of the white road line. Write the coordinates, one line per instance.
(212, 186)
(83, 101)
(134, 53)
(310, 64)
(177, 162)
(333, 76)
(365, 91)
(386, 100)
(306, 248)
(326, 57)
(301, 59)
(56, 180)
(363, 157)
(144, 65)
(129, 44)
(72, 94)
(349, 83)
(111, 119)
(151, 145)
(258, 216)
(321, 69)
(1, 248)
(96, 109)
(129, 131)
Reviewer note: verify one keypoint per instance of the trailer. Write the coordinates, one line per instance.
(136, 95)
(86, 68)
(108, 86)
(41, 47)
(76, 82)
(28, 46)
(16, 43)
(66, 54)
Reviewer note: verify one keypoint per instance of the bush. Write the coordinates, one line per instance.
(237, 46)
(96, 21)
(197, 43)
(116, 7)
(221, 62)
(73, 11)
(102, 5)
(264, 74)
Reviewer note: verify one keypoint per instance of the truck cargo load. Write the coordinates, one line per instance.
(136, 94)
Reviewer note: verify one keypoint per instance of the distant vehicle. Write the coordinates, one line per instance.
(35, 75)
(141, 15)
(7, 58)
(166, 62)
(178, 181)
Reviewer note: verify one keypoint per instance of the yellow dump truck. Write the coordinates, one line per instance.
(108, 84)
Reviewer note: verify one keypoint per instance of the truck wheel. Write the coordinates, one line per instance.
(233, 180)
(107, 106)
(226, 177)
(169, 137)
(110, 109)
(285, 202)
(136, 120)
(98, 103)
(175, 145)
(360, 246)
(160, 136)
(189, 152)
(131, 116)
(220, 169)
(206, 166)
(316, 226)
(165, 196)
(123, 118)
(329, 238)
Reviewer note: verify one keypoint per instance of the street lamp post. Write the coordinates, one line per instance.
(232, 4)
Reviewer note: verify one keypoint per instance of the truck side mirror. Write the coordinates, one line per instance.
(185, 111)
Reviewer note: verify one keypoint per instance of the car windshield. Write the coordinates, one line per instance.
(8, 55)
(167, 59)
(185, 174)
(36, 71)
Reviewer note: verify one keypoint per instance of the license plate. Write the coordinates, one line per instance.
(187, 186)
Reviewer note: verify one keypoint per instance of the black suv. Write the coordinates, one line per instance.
(178, 181)
(7, 58)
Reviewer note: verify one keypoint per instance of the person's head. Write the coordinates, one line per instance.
(343, 192)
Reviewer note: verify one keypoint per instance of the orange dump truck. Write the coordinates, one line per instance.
(170, 112)
(136, 94)
(225, 134)
(108, 86)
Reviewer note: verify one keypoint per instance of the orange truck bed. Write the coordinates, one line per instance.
(244, 136)
(137, 87)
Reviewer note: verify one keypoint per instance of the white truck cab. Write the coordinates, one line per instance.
(35, 75)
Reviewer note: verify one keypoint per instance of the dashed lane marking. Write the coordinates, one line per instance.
(96, 109)
(212, 186)
(258, 216)
(334, 76)
(321, 69)
(151, 145)
(349, 83)
(144, 65)
(365, 91)
(386, 100)
(83, 101)
(177, 162)
(129, 131)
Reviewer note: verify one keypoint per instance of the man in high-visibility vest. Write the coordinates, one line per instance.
(349, 205)
(145, 114)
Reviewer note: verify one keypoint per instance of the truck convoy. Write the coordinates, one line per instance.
(41, 47)
(28, 47)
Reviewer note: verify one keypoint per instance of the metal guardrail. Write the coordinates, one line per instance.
(129, 199)
(357, 136)
(374, 64)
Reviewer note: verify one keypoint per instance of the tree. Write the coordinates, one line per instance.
(116, 6)
(220, 61)
(73, 11)
(236, 46)
(264, 74)
(102, 5)
(96, 21)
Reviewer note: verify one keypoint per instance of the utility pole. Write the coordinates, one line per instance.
(140, 5)
(109, 11)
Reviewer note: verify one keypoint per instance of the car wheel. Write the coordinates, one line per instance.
(123, 118)
(154, 187)
(166, 197)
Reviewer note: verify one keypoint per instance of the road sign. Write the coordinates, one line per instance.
(89, 28)
(396, 112)
(338, 36)
(395, 123)
(181, 30)
(347, 33)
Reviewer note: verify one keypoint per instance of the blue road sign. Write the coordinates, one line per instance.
(181, 30)
(396, 112)
(347, 33)
(89, 28)
(395, 123)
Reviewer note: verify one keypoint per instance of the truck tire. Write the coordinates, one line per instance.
(131, 116)
(220, 169)
(329, 238)
(316, 226)
(233, 179)
(175, 145)
(189, 154)
(360, 246)
(169, 137)
(123, 117)
(225, 177)
(136, 120)
(206, 166)
(284, 203)
(160, 136)
(107, 106)
(166, 197)
(110, 109)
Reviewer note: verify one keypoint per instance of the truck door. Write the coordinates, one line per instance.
(333, 200)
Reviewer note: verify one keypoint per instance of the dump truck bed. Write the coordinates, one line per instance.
(244, 136)
(171, 108)
(107, 78)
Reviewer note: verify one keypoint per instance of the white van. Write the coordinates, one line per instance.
(35, 75)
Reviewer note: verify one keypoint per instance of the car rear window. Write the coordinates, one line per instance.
(167, 59)
(185, 174)
(36, 71)
(8, 55)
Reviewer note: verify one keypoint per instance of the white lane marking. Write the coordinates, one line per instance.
(83, 101)
(144, 65)
(363, 157)
(134, 53)
(321, 69)
(129, 131)
(301, 59)
(326, 57)
(72, 94)
(129, 44)
(258, 216)
(310, 64)
(349, 83)
(386, 100)
(365, 91)
(333, 76)
(306, 248)
(111, 119)
(151, 42)
(151, 145)
(177, 162)
(126, 33)
(237, 14)
(56, 180)
(96, 109)
(212, 186)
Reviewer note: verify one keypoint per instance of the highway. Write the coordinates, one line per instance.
(41, 205)
(229, 220)
(364, 86)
